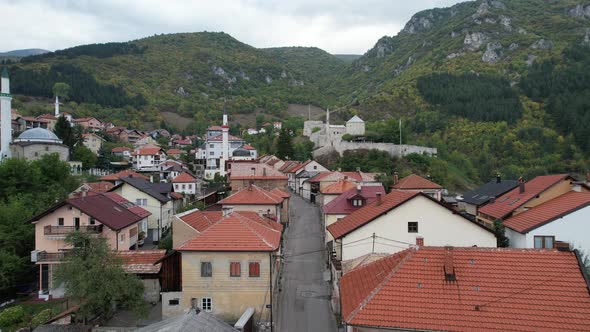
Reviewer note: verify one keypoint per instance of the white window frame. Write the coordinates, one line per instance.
(206, 301)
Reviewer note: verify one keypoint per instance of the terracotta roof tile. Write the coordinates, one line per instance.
(495, 290)
(297, 167)
(120, 149)
(237, 232)
(123, 174)
(364, 215)
(175, 151)
(248, 147)
(184, 177)
(548, 211)
(141, 261)
(343, 204)
(252, 195)
(280, 193)
(109, 209)
(96, 188)
(200, 220)
(147, 151)
(244, 171)
(338, 188)
(414, 181)
(220, 138)
(288, 164)
(513, 199)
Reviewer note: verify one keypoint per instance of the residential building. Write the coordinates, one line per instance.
(229, 267)
(256, 199)
(467, 289)
(565, 219)
(158, 198)
(325, 179)
(175, 153)
(33, 143)
(527, 195)
(89, 123)
(348, 202)
(416, 183)
(93, 142)
(334, 190)
(145, 140)
(148, 159)
(51, 120)
(147, 266)
(304, 188)
(106, 214)
(242, 174)
(477, 198)
(191, 321)
(190, 223)
(29, 122)
(185, 183)
(170, 169)
(122, 151)
(309, 166)
(401, 219)
(116, 177)
(92, 188)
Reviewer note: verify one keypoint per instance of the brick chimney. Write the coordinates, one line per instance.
(419, 241)
(498, 178)
(395, 178)
(378, 198)
(449, 267)
(521, 184)
(358, 188)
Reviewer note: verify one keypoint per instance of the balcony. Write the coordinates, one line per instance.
(65, 230)
(44, 256)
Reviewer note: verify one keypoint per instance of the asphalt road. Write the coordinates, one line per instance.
(304, 304)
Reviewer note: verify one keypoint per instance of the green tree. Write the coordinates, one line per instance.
(499, 230)
(284, 146)
(85, 155)
(61, 90)
(93, 275)
(71, 136)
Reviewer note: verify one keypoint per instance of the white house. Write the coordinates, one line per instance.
(148, 159)
(565, 218)
(402, 219)
(185, 183)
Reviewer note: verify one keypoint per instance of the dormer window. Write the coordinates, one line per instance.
(357, 202)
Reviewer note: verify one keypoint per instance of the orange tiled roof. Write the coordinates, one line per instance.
(174, 151)
(253, 194)
(288, 164)
(141, 261)
(237, 232)
(201, 220)
(47, 116)
(121, 149)
(513, 199)
(339, 187)
(100, 187)
(245, 171)
(175, 195)
(146, 151)
(297, 167)
(414, 181)
(364, 215)
(495, 289)
(184, 177)
(280, 193)
(248, 147)
(123, 174)
(549, 211)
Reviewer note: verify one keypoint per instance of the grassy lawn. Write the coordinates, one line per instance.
(29, 310)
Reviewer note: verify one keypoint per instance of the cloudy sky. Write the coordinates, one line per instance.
(337, 26)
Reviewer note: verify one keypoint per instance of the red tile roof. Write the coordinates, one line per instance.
(254, 195)
(47, 117)
(248, 147)
(243, 171)
(121, 149)
(513, 199)
(34, 119)
(297, 167)
(495, 290)
(200, 220)
(146, 151)
(237, 232)
(215, 128)
(184, 177)
(85, 119)
(141, 261)
(414, 181)
(549, 211)
(175, 151)
(280, 193)
(96, 188)
(320, 176)
(183, 142)
(288, 164)
(363, 216)
(343, 204)
(175, 195)
(123, 174)
(339, 187)
(220, 138)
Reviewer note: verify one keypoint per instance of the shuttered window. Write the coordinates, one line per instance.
(235, 269)
(206, 269)
(254, 269)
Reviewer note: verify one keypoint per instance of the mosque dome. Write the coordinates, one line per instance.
(38, 134)
(241, 152)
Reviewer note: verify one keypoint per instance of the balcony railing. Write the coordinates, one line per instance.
(65, 230)
(51, 256)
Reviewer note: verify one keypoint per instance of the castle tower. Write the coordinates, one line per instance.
(56, 106)
(5, 116)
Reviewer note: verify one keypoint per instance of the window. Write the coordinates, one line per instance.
(122, 238)
(176, 186)
(211, 153)
(206, 270)
(206, 304)
(60, 221)
(357, 202)
(174, 302)
(544, 242)
(183, 186)
(46, 148)
(92, 221)
(141, 201)
(211, 146)
(235, 269)
(315, 167)
(190, 186)
(254, 269)
(413, 227)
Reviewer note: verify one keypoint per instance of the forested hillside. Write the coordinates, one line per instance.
(496, 85)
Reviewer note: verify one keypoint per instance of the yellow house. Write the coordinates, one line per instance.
(107, 215)
(158, 198)
(189, 224)
(93, 142)
(228, 268)
(253, 198)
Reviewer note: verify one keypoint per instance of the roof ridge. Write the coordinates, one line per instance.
(245, 221)
(382, 283)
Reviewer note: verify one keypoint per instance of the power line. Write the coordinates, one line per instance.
(384, 238)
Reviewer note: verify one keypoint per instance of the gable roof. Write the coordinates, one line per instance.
(219, 138)
(254, 171)
(499, 289)
(297, 167)
(513, 199)
(238, 231)
(123, 174)
(280, 193)
(93, 188)
(488, 191)
(254, 195)
(414, 181)
(549, 211)
(147, 151)
(338, 188)
(184, 177)
(200, 220)
(175, 151)
(343, 205)
(109, 209)
(120, 149)
(355, 119)
(141, 261)
(189, 322)
(159, 191)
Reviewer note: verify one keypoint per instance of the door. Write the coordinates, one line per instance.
(45, 278)
(77, 223)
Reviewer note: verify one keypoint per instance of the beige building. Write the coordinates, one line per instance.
(33, 143)
(241, 175)
(93, 142)
(107, 215)
(228, 268)
(269, 204)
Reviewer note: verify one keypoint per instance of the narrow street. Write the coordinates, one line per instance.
(304, 304)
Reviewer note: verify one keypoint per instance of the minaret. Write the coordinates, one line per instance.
(328, 117)
(5, 116)
(56, 106)
(224, 143)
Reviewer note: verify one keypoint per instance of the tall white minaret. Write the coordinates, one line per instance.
(328, 117)
(224, 143)
(5, 116)
(56, 106)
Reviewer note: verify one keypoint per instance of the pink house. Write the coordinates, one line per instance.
(106, 214)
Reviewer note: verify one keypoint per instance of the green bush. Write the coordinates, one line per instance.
(41, 317)
(12, 316)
